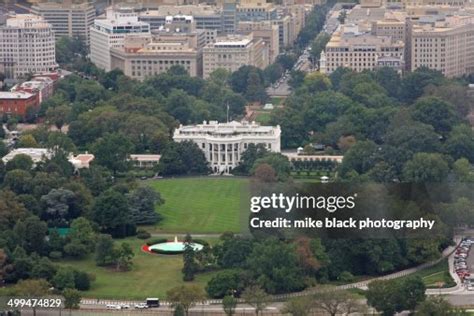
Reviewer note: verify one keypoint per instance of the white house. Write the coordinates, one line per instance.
(224, 143)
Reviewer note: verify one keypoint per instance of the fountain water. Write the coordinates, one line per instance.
(173, 247)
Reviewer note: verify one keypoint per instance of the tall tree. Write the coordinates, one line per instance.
(142, 202)
(113, 151)
(256, 297)
(186, 296)
(82, 238)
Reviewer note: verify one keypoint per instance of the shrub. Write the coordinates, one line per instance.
(55, 255)
(82, 281)
(346, 277)
(143, 234)
(201, 241)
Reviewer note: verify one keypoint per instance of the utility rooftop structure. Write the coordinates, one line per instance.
(224, 143)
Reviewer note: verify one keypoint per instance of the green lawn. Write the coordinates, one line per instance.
(200, 205)
(151, 276)
(263, 117)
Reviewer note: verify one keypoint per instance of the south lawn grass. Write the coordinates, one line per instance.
(200, 205)
(152, 275)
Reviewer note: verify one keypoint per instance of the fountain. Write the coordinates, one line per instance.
(172, 247)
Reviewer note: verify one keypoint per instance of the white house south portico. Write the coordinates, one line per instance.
(224, 143)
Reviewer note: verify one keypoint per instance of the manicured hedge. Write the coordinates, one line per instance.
(156, 241)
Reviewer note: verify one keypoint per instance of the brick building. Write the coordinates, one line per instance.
(16, 103)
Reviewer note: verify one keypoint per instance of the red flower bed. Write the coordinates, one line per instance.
(146, 248)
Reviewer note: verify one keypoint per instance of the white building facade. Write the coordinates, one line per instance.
(110, 33)
(26, 46)
(224, 143)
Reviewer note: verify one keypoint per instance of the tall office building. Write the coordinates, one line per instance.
(26, 46)
(68, 18)
(110, 32)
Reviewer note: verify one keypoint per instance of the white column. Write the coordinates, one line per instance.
(225, 158)
(219, 157)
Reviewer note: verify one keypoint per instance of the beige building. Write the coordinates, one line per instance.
(27, 46)
(178, 42)
(348, 47)
(68, 18)
(446, 45)
(145, 56)
(110, 32)
(234, 51)
(393, 25)
(267, 32)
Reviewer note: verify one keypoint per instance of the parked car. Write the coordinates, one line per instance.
(113, 306)
(141, 306)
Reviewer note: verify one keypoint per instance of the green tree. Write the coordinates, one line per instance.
(256, 297)
(334, 302)
(72, 298)
(225, 283)
(64, 278)
(319, 44)
(389, 297)
(436, 306)
(248, 158)
(317, 82)
(229, 303)
(189, 267)
(460, 143)
(60, 204)
(20, 162)
(18, 181)
(361, 157)
(31, 233)
(279, 163)
(436, 112)
(183, 158)
(27, 141)
(111, 212)
(255, 91)
(298, 306)
(414, 83)
(112, 151)
(185, 296)
(82, 238)
(58, 116)
(426, 167)
(104, 251)
(142, 202)
(124, 257)
(274, 265)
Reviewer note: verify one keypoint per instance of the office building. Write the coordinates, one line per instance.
(234, 51)
(109, 32)
(266, 31)
(446, 45)
(68, 18)
(26, 46)
(351, 48)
